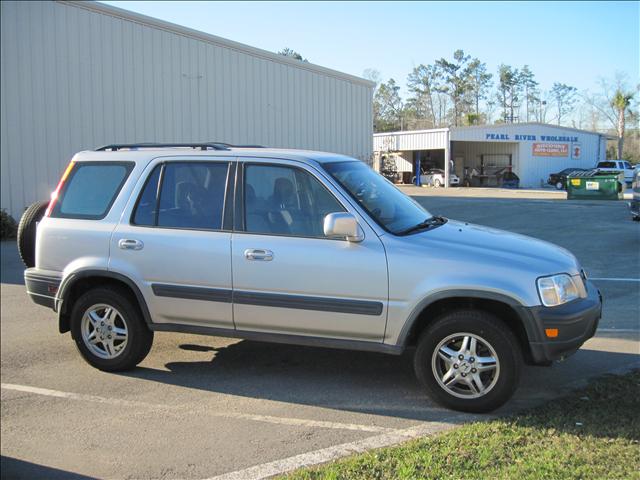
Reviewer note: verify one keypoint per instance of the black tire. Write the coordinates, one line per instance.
(559, 185)
(139, 337)
(26, 236)
(436, 183)
(489, 328)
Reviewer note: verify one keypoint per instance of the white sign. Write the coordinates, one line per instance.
(576, 151)
(593, 186)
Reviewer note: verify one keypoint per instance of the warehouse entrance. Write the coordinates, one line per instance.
(485, 164)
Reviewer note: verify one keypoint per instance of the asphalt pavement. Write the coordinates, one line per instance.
(201, 407)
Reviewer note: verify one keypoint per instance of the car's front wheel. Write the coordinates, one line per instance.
(437, 183)
(109, 330)
(468, 360)
(559, 186)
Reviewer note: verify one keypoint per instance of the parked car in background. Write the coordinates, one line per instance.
(559, 180)
(634, 204)
(435, 178)
(618, 166)
(296, 247)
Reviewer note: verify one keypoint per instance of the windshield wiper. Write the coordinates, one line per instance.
(431, 222)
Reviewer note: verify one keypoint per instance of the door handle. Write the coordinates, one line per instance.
(130, 244)
(258, 254)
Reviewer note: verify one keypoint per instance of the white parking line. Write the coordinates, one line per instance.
(297, 422)
(328, 454)
(601, 279)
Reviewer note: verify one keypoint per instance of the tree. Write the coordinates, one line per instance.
(509, 88)
(422, 83)
(614, 103)
(621, 102)
(387, 107)
(531, 93)
(287, 52)
(564, 97)
(372, 75)
(455, 82)
(479, 83)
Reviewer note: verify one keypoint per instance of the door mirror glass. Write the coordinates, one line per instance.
(343, 225)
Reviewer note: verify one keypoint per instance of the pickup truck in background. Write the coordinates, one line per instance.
(618, 166)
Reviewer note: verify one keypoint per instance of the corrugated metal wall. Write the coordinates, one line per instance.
(411, 140)
(78, 76)
(532, 170)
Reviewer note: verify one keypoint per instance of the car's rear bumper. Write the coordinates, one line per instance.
(575, 322)
(42, 286)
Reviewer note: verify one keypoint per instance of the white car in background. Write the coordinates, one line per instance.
(435, 178)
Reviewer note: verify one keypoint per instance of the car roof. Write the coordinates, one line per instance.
(145, 154)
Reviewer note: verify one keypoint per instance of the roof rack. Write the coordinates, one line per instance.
(241, 146)
(133, 146)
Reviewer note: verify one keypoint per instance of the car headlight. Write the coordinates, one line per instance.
(558, 289)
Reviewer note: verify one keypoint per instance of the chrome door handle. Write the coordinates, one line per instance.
(258, 254)
(130, 244)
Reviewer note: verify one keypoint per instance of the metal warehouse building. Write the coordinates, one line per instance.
(79, 75)
(530, 150)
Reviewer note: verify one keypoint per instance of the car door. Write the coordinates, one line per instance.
(176, 245)
(288, 277)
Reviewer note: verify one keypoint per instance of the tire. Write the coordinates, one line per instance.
(138, 338)
(559, 186)
(436, 183)
(500, 381)
(26, 236)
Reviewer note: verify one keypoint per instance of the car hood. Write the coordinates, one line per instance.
(484, 246)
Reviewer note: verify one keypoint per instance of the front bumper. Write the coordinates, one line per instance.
(575, 321)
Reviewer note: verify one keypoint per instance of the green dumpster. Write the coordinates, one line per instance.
(595, 185)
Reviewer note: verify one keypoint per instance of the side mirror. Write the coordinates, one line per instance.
(343, 224)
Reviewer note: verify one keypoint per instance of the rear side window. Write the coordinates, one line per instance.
(91, 189)
(191, 196)
(607, 165)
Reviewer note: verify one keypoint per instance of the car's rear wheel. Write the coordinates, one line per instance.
(26, 235)
(468, 360)
(559, 186)
(109, 330)
(437, 183)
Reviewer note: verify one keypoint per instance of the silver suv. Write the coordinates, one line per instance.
(304, 248)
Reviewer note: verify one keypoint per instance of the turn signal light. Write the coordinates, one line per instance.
(551, 332)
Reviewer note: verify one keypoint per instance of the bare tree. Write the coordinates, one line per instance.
(531, 93)
(422, 83)
(479, 83)
(373, 75)
(614, 103)
(565, 99)
(509, 88)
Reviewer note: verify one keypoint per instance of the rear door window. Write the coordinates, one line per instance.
(91, 189)
(191, 196)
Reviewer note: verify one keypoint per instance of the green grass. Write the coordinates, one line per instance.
(593, 433)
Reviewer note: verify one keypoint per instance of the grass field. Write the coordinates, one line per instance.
(592, 433)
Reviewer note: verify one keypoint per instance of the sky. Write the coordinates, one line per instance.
(569, 42)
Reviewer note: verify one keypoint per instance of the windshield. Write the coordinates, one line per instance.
(387, 205)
